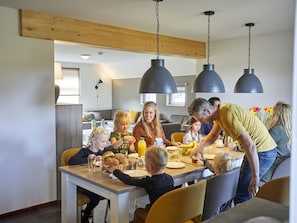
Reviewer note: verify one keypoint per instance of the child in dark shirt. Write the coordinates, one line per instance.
(155, 185)
(94, 150)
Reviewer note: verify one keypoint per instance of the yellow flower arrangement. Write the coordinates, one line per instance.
(264, 114)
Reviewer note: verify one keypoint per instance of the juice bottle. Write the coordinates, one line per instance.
(141, 147)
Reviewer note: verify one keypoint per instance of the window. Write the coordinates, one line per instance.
(148, 97)
(69, 86)
(179, 98)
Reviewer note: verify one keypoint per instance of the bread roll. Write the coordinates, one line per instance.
(111, 161)
(122, 158)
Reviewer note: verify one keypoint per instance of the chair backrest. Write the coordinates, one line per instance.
(276, 190)
(219, 190)
(67, 154)
(283, 169)
(179, 205)
(177, 136)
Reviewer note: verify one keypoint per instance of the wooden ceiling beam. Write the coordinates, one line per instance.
(50, 27)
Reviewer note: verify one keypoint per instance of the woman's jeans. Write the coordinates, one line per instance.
(266, 159)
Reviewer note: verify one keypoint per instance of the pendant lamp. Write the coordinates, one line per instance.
(248, 82)
(208, 80)
(157, 79)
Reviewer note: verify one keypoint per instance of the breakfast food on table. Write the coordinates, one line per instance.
(111, 161)
(122, 159)
(107, 154)
(187, 148)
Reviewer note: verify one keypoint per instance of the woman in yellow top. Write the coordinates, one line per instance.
(248, 130)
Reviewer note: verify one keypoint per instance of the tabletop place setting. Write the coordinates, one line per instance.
(178, 157)
(174, 157)
(100, 181)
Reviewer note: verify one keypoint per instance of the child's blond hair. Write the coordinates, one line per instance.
(97, 132)
(157, 156)
(118, 118)
(221, 163)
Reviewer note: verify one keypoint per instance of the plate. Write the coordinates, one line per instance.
(209, 156)
(133, 155)
(171, 148)
(175, 165)
(136, 173)
(98, 163)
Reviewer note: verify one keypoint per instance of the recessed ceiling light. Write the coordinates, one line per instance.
(85, 56)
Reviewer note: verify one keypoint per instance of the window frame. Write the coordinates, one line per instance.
(69, 93)
(172, 99)
(148, 97)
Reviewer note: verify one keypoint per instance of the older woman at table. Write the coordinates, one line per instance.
(150, 127)
(280, 130)
(248, 130)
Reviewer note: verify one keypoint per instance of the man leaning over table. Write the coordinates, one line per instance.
(248, 130)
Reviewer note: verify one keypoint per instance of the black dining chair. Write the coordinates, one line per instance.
(283, 169)
(220, 189)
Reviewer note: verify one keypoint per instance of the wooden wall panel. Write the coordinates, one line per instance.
(44, 26)
(68, 133)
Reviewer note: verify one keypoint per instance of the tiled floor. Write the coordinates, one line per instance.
(52, 214)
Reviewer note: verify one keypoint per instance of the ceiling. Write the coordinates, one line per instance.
(184, 19)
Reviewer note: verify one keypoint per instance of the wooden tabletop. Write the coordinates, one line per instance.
(103, 180)
(213, 149)
(252, 208)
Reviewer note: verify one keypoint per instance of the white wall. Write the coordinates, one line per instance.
(27, 117)
(293, 178)
(91, 98)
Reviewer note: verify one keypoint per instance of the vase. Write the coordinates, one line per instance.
(57, 92)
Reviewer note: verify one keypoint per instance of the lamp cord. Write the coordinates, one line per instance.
(249, 55)
(158, 27)
(208, 37)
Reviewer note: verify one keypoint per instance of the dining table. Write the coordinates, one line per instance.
(255, 210)
(119, 194)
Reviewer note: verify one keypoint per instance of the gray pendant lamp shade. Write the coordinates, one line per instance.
(248, 82)
(208, 80)
(157, 79)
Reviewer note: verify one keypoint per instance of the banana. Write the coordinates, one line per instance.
(188, 151)
(195, 144)
(190, 145)
(187, 148)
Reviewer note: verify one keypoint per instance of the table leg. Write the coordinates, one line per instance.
(68, 200)
(119, 208)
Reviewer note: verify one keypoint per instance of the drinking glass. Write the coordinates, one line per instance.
(91, 163)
